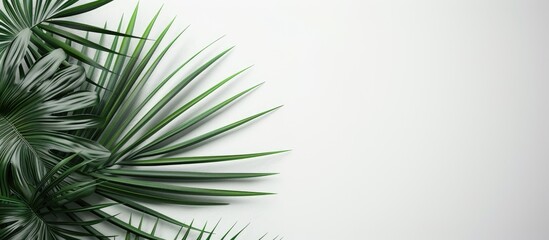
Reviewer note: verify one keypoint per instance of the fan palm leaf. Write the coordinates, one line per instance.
(50, 108)
(140, 144)
(46, 19)
(44, 215)
(34, 120)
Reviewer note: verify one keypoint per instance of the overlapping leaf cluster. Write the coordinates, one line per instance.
(73, 125)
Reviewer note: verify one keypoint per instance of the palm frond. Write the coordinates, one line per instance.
(34, 120)
(201, 234)
(46, 21)
(43, 215)
(50, 107)
(130, 147)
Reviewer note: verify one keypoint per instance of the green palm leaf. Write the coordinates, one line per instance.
(50, 108)
(45, 20)
(128, 146)
(42, 216)
(34, 120)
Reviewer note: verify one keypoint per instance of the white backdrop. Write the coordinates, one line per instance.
(408, 119)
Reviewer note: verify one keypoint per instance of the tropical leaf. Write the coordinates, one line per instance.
(50, 108)
(46, 21)
(43, 216)
(201, 234)
(34, 120)
(137, 144)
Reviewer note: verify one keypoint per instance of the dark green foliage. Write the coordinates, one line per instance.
(45, 19)
(69, 131)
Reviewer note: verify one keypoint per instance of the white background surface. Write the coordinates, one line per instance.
(408, 119)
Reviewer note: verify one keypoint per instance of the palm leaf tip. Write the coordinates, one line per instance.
(62, 123)
(196, 159)
(45, 18)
